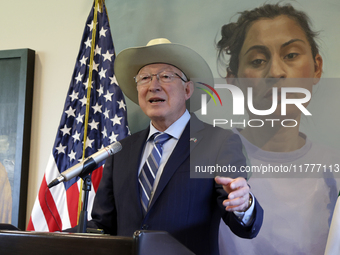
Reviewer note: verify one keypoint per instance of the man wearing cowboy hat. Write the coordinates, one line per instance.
(160, 78)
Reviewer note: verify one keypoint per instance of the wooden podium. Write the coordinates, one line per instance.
(141, 243)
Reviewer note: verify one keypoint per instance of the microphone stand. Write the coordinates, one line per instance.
(86, 176)
(82, 221)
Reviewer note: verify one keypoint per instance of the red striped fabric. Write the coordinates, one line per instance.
(47, 216)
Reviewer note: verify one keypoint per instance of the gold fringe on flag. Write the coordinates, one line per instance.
(101, 2)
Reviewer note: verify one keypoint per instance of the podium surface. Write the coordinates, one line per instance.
(20, 242)
(142, 243)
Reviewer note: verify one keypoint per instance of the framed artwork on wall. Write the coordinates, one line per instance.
(16, 94)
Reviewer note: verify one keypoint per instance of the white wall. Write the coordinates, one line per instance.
(54, 30)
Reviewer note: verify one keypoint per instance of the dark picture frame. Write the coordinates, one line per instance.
(16, 96)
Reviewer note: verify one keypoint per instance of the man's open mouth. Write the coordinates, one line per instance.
(156, 100)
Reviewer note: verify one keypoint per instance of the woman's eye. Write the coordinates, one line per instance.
(257, 62)
(291, 55)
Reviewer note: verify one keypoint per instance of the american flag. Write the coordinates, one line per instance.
(106, 123)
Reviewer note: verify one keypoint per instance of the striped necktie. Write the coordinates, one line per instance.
(149, 170)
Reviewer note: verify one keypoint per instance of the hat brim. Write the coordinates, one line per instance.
(128, 62)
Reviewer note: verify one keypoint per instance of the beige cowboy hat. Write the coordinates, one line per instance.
(129, 61)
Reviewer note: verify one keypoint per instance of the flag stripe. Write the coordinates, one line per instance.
(37, 219)
(46, 194)
(59, 194)
(96, 177)
(72, 195)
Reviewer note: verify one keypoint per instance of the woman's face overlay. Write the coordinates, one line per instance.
(273, 52)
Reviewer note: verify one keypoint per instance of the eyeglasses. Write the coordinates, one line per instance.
(162, 77)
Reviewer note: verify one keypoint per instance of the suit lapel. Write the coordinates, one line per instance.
(136, 147)
(181, 152)
(195, 136)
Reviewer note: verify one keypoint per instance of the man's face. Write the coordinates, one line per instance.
(163, 103)
(273, 52)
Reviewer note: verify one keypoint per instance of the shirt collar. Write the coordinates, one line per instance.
(176, 129)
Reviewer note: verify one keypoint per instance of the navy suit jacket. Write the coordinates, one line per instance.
(188, 208)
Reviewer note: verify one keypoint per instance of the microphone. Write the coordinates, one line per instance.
(88, 165)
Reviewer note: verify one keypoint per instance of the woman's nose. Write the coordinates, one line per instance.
(277, 68)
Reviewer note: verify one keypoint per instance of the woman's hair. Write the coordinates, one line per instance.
(234, 34)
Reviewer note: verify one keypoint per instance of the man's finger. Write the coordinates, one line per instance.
(237, 203)
(223, 180)
(239, 193)
(238, 183)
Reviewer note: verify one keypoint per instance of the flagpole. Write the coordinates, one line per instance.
(89, 87)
